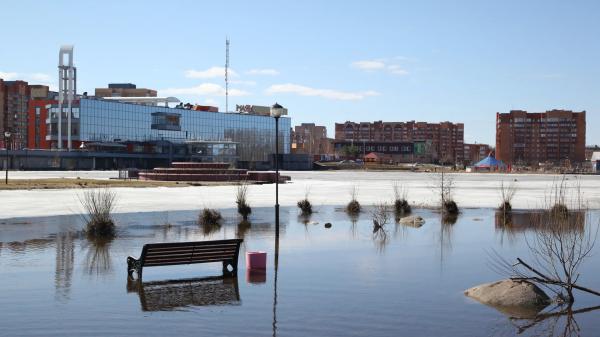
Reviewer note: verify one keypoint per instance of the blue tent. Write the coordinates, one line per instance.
(490, 162)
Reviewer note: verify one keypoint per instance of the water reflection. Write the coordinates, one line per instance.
(522, 221)
(445, 237)
(353, 225)
(21, 247)
(65, 248)
(256, 276)
(559, 321)
(176, 294)
(368, 283)
(242, 228)
(98, 259)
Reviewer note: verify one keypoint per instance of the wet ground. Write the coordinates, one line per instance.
(338, 281)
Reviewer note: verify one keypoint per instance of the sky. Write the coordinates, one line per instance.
(326, 61)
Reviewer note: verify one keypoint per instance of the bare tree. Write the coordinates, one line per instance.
(562, 242)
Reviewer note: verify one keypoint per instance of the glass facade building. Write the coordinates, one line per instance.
(96, 120)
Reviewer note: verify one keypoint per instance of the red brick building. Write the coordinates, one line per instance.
(37, 127)
(441, 142)
(476, 152)
(14, 98)
(524, 138)
(308, 138)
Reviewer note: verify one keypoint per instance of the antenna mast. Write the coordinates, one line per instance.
(227, 74)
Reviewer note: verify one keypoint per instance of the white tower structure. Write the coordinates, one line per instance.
(67, 89)
(227, 75)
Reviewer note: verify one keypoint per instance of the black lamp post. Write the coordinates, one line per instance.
(276, 112)
(6, 139)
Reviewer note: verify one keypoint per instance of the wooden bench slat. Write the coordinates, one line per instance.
(190, 250)
(152, 248)
(198, 244)
(188, 258)
(188, 254)
(180, 263)
(183, 255)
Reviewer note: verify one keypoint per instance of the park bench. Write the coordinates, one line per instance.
(168, 254)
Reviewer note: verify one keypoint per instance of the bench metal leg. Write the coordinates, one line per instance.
(134, 265)
(226, 271)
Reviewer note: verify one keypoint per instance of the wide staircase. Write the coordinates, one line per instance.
(190, 171)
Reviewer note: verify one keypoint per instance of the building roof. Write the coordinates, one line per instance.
(144, 99)
(489, 161)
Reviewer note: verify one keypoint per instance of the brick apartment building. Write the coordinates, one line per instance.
(553, 136)
(405, 141)
(14, 98)
(476, 152)
(308, 138)
(124, 90)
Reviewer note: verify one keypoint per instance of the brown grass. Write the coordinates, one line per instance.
(67, 183)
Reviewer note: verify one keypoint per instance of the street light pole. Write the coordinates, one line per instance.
(276, 112)
(277, 164)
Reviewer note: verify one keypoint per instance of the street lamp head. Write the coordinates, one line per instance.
(7, 134)
(277, 110)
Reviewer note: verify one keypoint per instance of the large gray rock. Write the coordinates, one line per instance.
(520, 299)
(413, 221)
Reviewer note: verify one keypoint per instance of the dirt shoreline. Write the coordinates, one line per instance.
(77, 183)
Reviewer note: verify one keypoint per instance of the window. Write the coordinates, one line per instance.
(166, 121)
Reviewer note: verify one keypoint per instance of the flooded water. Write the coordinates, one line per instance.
(338, 281)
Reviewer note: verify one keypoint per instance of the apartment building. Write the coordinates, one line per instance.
(553, 136)
(431, 142)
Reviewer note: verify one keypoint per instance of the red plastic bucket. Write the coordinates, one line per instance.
(256, 260)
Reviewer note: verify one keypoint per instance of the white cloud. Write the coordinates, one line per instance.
(269, 72)
(396, 70)
(369, 65)
(325, 93)
(8, 76)
(31, 78)
(211, 72)
(380, 65)
(204, 89)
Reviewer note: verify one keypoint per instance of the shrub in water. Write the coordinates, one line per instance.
(210, 217)
(305, 206)
(505, 207)
(242, 205)
(450, 207)
(99, 206)
(353, 206)
(401, 206)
